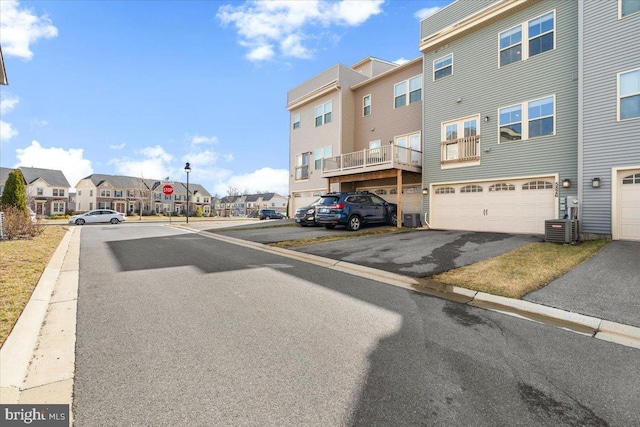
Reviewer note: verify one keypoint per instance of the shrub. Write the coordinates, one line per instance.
(18, 225)
(199, 212)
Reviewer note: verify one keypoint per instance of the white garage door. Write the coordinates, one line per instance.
(629, 205)
(518, 206)
(303, 199)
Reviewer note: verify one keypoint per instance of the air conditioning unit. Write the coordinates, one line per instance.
(411, 220)
(561, 230)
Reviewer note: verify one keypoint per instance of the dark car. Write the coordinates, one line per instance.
(307, 215)
(355, 209)
(269, 214)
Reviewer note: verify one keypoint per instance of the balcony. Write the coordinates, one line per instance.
(459, 150)
(388, 157)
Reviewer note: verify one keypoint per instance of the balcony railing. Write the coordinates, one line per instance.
(461, 150)
(373, 159)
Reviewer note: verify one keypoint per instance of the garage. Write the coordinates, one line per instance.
(411, 196)
(628, 205)
(509, 206)
(299, 200)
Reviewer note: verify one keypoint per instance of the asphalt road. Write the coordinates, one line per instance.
(179, 329)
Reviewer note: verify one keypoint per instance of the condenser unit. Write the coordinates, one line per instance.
(561, 230)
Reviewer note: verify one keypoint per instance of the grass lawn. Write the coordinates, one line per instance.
(523, 270)
(21, 265)
(340, 236)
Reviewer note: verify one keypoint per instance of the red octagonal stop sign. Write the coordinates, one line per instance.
(167, 189)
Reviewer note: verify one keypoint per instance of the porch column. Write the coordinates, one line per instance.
(399, 190)
(328, 185)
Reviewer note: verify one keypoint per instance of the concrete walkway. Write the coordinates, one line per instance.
(37, 360)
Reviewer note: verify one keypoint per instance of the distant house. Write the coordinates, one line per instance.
(246, 204)
(133, 195)
(47, 190)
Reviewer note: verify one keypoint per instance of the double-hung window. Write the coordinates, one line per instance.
(539, 34)
(366, 106)
(296, 121)
(629, 95)
(302, 166)
(105, 193)
(443, 67)
(629, 7)
(530, 119)
(323, 113)
(320, 154)
(414, 92)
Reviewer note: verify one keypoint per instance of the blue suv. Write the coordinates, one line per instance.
(354, 209)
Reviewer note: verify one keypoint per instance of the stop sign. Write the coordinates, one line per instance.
(167, 189)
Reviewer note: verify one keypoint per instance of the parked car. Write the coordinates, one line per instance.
(98, 215)
(269, 214)
(307, 215)
(355, 209)
(32, 215)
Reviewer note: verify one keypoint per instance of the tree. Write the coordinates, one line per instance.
(14, 193)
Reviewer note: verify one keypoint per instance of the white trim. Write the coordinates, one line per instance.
(433, 75)
(618, 95)
(615, 173)
(525, 39)
(620, 11)
(364, 106)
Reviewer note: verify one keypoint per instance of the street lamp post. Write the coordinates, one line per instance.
(187, 169)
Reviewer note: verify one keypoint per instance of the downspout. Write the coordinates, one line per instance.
(580, 111)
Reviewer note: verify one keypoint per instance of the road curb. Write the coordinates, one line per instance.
(575, 322)
(23, 343)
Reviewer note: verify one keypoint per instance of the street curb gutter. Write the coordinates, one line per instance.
(591, 326)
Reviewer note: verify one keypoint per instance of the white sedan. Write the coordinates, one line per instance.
(98, 215)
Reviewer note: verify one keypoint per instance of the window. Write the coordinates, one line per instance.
(414, 93)
(629, 95)
(471, 189)
(105, 193)
(539, 33)
(58, 207)
(323, 113)
(460, 140)
(443, 67)
(631, 179)
(445, 190)
(527, 120)
(366, 105)
(502, 187)
(39, 191)
(321, 153)
(296, 121)
(537, 185)
(58, 192)
(302, 166)
(117, 193)
(90, 195)
(79, 192)
(629, 7)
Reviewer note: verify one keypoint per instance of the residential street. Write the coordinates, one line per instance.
(179, 329)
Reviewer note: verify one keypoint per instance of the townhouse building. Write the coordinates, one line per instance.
(47, 190)
(609, 118)
(358, 128)
(248, 204)
(500, 123)
(137, 195)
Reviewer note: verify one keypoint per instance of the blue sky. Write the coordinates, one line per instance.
(138, 88)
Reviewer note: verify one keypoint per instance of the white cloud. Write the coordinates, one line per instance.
(71, 162)
(263, 25)
(265, 179)
(20, 28)
(401, 61)
(423, 13)
(7, 131)
(118, 146)
(198, 139)
(153, 163)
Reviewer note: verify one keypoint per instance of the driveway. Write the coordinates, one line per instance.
(417, 253)
(606, 286)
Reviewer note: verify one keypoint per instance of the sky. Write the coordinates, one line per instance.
(139, 88)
